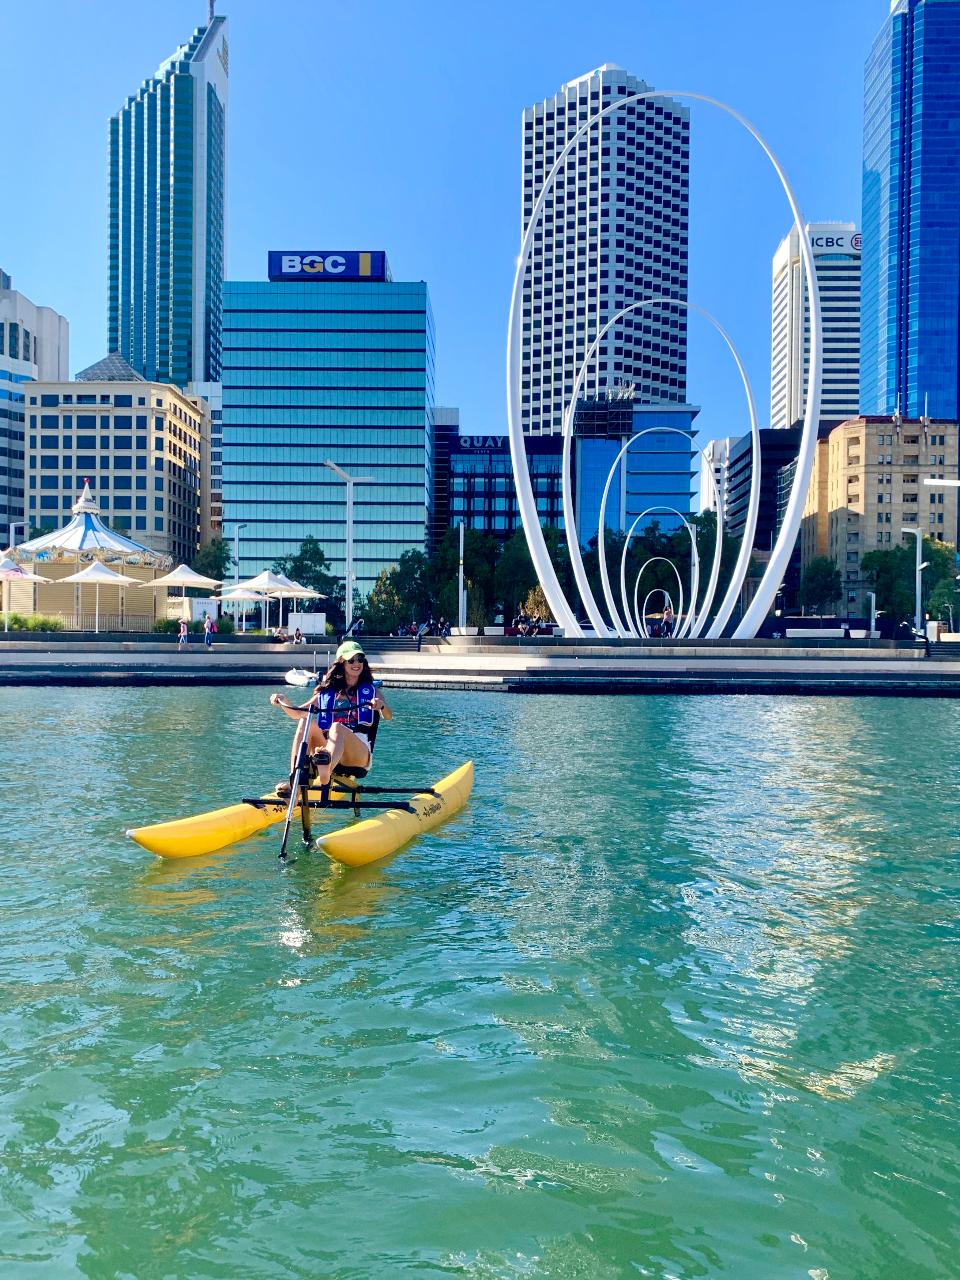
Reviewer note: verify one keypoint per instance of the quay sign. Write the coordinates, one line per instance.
(349, 265)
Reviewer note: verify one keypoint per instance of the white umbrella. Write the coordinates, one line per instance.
(10, 571)
(237, 594)
(183, 576)
(293, 591)
(97, 574)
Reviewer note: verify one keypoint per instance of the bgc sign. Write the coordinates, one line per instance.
(348, 265)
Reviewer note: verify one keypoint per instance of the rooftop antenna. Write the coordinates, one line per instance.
(926, 409)
(210, 13)
(897, 417)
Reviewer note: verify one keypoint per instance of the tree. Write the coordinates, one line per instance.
(311, 567)
(514, 576)
(383, 610)
(480, 554)
(214, 559)
(944, 601)
(412, 580)
(820, 584)
(535, 605)
(892, 574)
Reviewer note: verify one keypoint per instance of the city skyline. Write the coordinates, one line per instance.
(279, 193)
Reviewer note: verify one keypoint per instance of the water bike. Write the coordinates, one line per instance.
(394, 825)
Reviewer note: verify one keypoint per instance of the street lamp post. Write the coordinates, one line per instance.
(236, 569)
(918, 574)
(349, 481)
(872, 597)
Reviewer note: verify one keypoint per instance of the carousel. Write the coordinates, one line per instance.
(87, 576)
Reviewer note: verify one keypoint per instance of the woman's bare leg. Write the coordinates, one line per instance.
(344, 747)
(317, 741)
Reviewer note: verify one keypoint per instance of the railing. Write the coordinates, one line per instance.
(107, 621)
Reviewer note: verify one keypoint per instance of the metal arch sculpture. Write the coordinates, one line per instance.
(636, 588)
(636, 592)
(783, 547)
(601, 548)
(753, 503)
(694, 572)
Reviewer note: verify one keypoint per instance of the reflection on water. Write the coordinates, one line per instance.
(674, 997)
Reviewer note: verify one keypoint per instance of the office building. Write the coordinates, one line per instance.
(446, 433)
(166, 215)
(34, 343)
(778, 447)
(211, 461)
(331, 361)
(138, 444)
(481, 490)
(714, 464)
(867, 486)
(910, 330)
(836, 259)
(613, 231)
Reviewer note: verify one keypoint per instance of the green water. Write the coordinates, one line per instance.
(677, 996)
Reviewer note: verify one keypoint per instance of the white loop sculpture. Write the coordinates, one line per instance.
(780, 555)
(695, 569)
(753, 504)
(601, 545)
(636, 589)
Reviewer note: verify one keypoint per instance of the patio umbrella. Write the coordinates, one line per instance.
(293, 591)
(97, 574)
(10, 571)
(238, 595)
(183, 576)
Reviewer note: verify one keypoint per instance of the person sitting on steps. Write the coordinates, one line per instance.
(348, 742)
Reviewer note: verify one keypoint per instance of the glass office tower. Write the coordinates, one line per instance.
(166, 196)
(910, 310)
(316, 370)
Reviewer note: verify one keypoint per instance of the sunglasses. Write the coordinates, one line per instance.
(357, 657)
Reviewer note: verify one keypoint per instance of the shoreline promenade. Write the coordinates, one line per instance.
(506, 666)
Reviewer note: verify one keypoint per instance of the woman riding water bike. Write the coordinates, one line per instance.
(348, 742)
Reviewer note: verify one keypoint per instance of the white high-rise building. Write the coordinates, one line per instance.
(715, 461)
(614, 230)
(34, 343)
(836, 257)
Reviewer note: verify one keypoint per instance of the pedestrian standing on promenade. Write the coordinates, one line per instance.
(208, 631)
(182, 636)
(668, 620)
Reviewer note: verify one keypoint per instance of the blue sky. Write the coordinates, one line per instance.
(397, 126)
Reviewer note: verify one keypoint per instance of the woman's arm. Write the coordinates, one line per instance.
(287, 707)
(379, 704)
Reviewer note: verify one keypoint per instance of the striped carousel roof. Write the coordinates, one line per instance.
(86, 533)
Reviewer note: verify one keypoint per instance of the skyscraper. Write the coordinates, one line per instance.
(166, 239)
(836, 260)
(910, 331)
(34, 343)
(332, 360)
(613, 231)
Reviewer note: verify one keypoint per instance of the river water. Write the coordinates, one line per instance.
(676, 996)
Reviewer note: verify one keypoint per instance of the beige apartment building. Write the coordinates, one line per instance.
(867, 487)
(143, 446)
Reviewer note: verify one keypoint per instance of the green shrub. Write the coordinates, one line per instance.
(166, 626)
(34, 622)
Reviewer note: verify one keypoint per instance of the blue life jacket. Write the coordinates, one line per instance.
(329, 703)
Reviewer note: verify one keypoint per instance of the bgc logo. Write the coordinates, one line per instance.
(340, 265)
(292, 264)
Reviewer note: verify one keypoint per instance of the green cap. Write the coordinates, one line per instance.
(349, 649)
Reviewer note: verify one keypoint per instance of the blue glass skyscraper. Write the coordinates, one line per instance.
(910, 308)
(166, 196)
(318, 369)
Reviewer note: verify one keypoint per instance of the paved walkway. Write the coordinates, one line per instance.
(531, 667)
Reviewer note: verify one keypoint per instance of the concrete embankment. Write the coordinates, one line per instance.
(508, 666)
